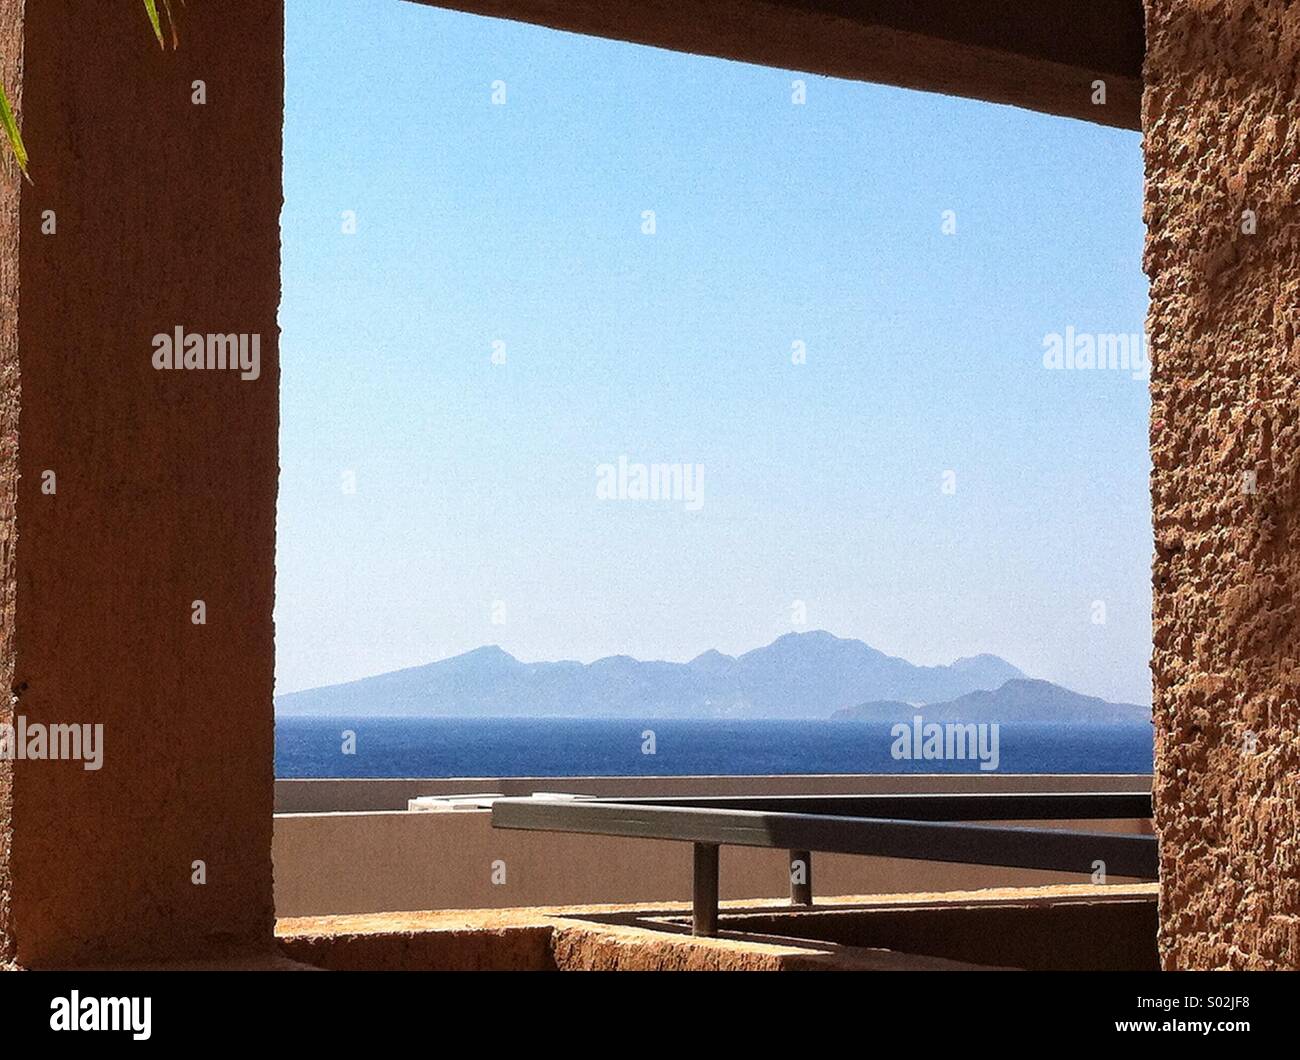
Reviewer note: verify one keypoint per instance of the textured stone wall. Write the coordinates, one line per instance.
(167, 214)
(11, 48)
(1221, 119)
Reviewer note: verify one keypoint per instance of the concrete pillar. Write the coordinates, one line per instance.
(163, 214)
(1221, 120)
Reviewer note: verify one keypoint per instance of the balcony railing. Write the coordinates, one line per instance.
(951, 828)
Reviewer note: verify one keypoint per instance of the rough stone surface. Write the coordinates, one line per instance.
(11, 46)
(586, 948)
(650, 937)
(167, 215)
(1221, 119)
(482, 948)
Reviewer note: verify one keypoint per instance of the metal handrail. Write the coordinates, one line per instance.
(927, 827)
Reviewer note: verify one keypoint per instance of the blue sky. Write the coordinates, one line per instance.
(475, 483)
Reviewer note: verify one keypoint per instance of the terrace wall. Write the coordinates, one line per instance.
(350, 847)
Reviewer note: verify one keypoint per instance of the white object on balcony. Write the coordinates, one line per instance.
(453, 803)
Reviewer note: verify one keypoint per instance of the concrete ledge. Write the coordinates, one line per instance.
(365, 794)
(756, 936)
(267, 959)
(583, 948)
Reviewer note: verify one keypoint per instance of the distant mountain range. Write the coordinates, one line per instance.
(1019, 700)
(799, 675)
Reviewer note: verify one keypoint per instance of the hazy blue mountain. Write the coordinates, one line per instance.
(880, 710)
(1018, 700)
(799, 675)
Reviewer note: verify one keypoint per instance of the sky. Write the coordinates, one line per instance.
(830, 316)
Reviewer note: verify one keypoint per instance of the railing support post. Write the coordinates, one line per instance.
(801, 877)
(704, 893)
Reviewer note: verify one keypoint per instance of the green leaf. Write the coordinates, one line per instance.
(11, 130)
(152, 8)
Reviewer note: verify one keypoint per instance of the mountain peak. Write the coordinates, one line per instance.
(974, 660)
(807, 636)
(488, 653)
(990, 671)
(817, 641)
(711, 661)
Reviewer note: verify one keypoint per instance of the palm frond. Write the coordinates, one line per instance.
(156, 21)
(11, 131)
(151, 8)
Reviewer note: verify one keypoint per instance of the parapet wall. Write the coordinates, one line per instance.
(348, 846)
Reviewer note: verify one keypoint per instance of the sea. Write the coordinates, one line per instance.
(554, 747)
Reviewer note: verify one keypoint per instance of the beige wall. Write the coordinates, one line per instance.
(384, 861)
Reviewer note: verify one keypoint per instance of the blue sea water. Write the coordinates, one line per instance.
(552, 747)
